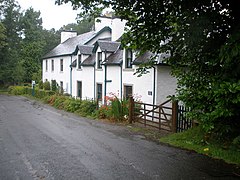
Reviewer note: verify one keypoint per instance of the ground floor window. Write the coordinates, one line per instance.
(61, 87)
(128, 91)
(99, 92)
(79, 89)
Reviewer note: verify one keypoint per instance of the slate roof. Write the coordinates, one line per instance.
(144, 58)
(108, 46)
(115, 58)
(68, 46)
(89, 61)
(85, 49)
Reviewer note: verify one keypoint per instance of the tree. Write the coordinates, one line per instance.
(203, 38)
(9, 56)
(81, 27)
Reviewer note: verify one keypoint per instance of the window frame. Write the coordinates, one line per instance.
(52, 65)
(99, 95)
(79, 95)
(79, 61)
(128, 58)
(125, 94)
(46, 65)
(99, 60)
(61, 65)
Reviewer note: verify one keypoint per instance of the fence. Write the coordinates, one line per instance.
(168, 116)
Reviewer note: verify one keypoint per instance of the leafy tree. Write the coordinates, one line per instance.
(82, 26)
(10, 15)
(203, 38)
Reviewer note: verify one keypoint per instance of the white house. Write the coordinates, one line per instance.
(93, 65)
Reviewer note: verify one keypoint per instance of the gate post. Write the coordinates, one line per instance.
(131, 109)
(174, 115)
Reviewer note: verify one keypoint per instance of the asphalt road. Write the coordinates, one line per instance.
(40, 142)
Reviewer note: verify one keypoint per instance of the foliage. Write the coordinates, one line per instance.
(26, 90)
(83, 26)
(23, 42)
(54, 85)
(115, 109)
(16, 90)
(40, 84)
(203, 40)
(87, 108)
(46, 85)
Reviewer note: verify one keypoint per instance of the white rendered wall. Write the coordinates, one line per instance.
(105, 34)
(117, 25)
(113, 74)
(86, 76)
(166, 84)
(58, 75)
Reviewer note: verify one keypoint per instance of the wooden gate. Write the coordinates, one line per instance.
(160, 116)
(167, 116)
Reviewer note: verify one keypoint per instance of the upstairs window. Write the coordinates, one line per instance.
(52, 65)
(99, 62)
(79, 61)
(129, 58)
(61, 65)
(46, 65)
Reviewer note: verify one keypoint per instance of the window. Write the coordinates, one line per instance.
(128, 91)
(129, 58)
(61, 87)
(52, 65)
(99, 63)
(79, 61)
(46, 65)
(79, 89)
(99, 92)
(61, 64)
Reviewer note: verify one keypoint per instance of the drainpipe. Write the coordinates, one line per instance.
(71, 77)
(105, 78)
(121, 81)
(94, 81)
(154, 84)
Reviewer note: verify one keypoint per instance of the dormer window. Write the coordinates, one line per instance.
(129, 58)
(79, 61)
(99, 60)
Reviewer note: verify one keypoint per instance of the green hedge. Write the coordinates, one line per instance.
(23, 90)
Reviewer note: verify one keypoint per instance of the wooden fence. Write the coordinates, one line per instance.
(168, 116)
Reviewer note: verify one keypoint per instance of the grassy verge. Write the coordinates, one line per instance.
(3, 91)
(193, 140)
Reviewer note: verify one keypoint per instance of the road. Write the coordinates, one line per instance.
(39, 142)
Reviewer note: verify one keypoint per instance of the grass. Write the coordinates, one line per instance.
(193, 140)
(3, 91)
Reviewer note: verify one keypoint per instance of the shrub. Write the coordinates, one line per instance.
(46, 85)
(54, 85)
(17, 90)
(87, 108)
(40, 85)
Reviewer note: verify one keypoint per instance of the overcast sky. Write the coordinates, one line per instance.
(53, 16)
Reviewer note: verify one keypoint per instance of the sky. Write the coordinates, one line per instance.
(53, 16)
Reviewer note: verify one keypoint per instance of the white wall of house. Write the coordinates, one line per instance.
(86, 76)
(114, 75)
(117, 25)
(56, 74)
(105, 34)
(166, 84)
